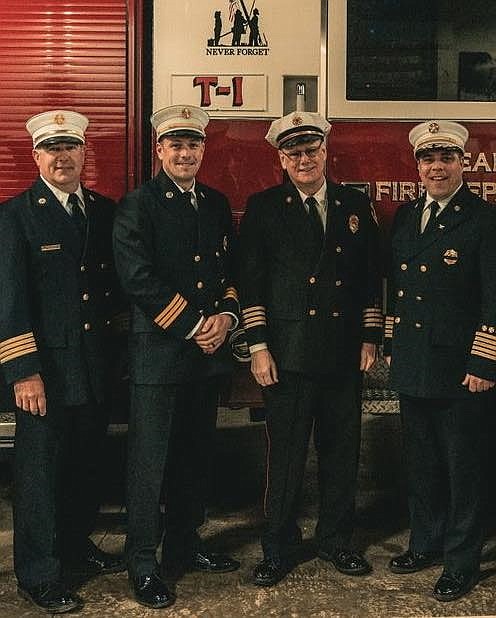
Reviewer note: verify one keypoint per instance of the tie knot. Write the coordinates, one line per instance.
(311, 201)
(73, 200)
(434, 206)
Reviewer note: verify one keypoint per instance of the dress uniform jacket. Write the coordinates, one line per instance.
(176, 265)
(312, 305)
(441, 321)
(59, 294)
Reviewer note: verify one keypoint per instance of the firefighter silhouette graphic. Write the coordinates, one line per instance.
(241, 27)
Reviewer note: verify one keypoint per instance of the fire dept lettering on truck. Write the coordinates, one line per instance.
(476, 163)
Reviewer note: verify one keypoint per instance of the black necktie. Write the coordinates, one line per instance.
(314, 217)
(77, 215)
(187, 197)
(431, 222)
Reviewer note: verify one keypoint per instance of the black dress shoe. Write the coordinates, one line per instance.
(412, 561)
(52, 598)
(213, 563)
(452, 586)
(346, 561)
(97, 562)
(270, 571)
(151, 591)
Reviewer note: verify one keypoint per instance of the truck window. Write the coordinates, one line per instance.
(404, 50)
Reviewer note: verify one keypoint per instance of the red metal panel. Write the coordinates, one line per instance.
(238, 160)
(71, 55)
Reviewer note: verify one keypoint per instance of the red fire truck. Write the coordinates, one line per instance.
(372, 68)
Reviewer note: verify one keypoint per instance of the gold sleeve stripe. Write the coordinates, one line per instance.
(483, 348)
(372, 311)
(373, 324)
(484, 345)
(485, 338)
(490, 355)
(372, 317)
(254, 316)
(171, 312)
(17, 346)
(231, 292)
(388, 328)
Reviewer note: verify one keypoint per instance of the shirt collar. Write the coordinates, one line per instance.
(444, 202)
(192, 190)
(63, 196)
(320, 195)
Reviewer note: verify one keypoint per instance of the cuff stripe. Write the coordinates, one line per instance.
(388, 328)
(231, 292)
(372, 317)
(484, 345)
(17, 346)
(171, 312)
(254, 316)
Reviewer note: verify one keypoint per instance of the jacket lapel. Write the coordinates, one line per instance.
(294, 220)
(55, 218)
(455, 213)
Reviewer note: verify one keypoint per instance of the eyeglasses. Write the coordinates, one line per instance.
(296, 155)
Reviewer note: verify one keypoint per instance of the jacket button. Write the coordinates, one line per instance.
(199, 285)
(87, 326)
(397, 320)
(107, 293)
(423, 268)
(484, 328)
(490, 330)
(338, 283)
(401, 293)
(83, 268)
(404, 266)
(103, 265)
(335, 314)
(419, 298)
(197, 258)
(86, 296)
(312, 312)
(217, 254)
(338, 249)
(418, 325)
(216, 304)
(312, 280)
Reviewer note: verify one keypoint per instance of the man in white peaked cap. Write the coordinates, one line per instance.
(59, 300)
(173, 242)
(310, 291)
(440, 340)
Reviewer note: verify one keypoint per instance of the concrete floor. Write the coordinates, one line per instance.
(313, 589)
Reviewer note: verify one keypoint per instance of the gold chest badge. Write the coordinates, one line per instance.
(353, 223)
(450, 256)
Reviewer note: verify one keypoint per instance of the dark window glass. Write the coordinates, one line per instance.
(420, 50)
